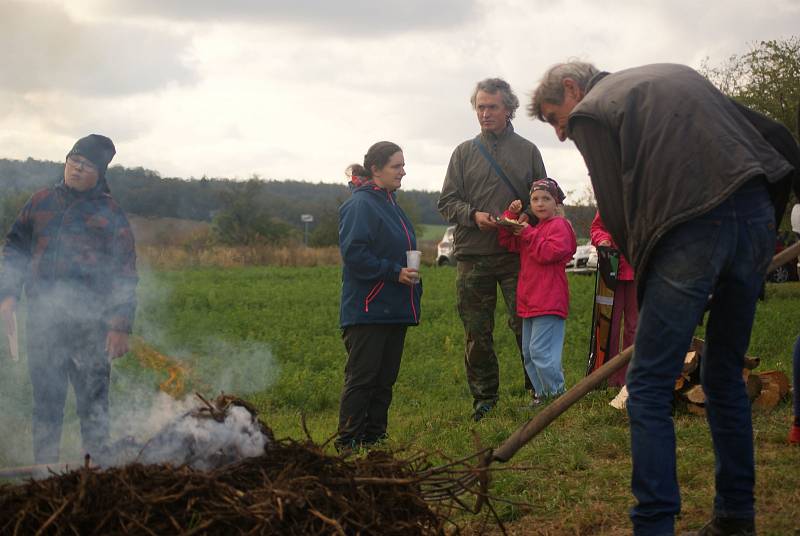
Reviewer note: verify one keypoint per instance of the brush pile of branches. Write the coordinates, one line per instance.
(293, 487)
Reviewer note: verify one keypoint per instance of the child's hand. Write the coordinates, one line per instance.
(518, 231)
(515, 206)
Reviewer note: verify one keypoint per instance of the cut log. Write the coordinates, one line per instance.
(690, 362)
(680, 382)
(751, 362)
(621, 400)
(753, 385)
(769, 397)
(695, 395)
(695, 409)
(778, 378)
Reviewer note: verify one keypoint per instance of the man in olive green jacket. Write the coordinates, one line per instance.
(473, 193)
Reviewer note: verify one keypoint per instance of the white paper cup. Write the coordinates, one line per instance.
(412, 258)
(412, 261)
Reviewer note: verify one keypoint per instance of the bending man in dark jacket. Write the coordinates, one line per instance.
(72, 250)
(683, 182)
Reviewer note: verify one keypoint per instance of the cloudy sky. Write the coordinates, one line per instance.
(298, 89)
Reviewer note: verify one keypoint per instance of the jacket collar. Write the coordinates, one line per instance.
(492, 137)
(595, 79)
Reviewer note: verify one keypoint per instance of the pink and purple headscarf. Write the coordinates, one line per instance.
(550, 186)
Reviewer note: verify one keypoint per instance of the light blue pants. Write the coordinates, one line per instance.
(542, 344)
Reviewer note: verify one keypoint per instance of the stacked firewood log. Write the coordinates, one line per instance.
(765, 389)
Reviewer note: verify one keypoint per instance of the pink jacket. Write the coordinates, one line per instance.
(544, 251)
(598, 233)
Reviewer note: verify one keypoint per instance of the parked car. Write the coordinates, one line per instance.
(584, 261)
(789, 271)
(444, 249)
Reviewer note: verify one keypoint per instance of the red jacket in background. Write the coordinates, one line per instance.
(598, 233)
(544, 251)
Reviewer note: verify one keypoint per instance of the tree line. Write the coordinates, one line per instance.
(241, 212)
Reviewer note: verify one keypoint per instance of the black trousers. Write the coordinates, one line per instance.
(373, 362)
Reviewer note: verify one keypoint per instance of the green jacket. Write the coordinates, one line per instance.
(471, 185)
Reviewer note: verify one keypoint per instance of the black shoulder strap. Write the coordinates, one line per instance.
(500, 173)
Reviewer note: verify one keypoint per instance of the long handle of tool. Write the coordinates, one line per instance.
(791, 252)
(558, 406)
(531, 429)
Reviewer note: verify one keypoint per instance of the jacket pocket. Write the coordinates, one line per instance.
(372, 295)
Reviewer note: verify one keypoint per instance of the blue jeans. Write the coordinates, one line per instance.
(724, 252)
(542, 344)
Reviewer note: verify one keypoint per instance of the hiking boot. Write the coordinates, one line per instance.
(481, 411)
(346, 448)
(375, 442)
(794, 435)
(727, 526)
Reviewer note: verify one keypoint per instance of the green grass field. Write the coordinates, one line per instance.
(432, 232)
(271, 335)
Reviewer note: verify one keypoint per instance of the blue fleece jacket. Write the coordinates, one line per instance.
(374, 235)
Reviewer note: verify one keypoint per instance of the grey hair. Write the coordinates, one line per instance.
(551, 87)
(493, 85)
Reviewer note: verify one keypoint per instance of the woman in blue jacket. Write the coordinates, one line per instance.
(380, 295)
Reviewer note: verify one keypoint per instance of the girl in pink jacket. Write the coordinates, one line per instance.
(542, 290)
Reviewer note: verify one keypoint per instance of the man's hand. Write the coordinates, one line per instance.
(116, 344)
(484, 221)
(408, 276)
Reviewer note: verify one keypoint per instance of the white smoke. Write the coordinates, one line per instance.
(205, 443)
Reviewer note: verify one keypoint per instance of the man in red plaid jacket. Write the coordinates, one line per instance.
(72, 250)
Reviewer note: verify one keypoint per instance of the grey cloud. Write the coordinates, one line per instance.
(351, 16)
(43, 49)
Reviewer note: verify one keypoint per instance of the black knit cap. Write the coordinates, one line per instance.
(98, 149)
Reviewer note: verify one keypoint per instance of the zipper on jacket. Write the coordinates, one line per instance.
(408, 239)
(372, 295)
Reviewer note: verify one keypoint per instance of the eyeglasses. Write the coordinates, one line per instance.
(81, 163)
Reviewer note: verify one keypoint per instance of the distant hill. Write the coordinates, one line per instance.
(145, 193)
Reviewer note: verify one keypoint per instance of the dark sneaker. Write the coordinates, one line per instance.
(371, 443)
(726, 526)
(481, 411)
(536, 401)
(346, 448)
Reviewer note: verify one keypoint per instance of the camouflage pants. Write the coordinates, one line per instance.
(476, 286)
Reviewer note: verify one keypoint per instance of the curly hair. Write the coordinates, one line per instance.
(492, 86)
